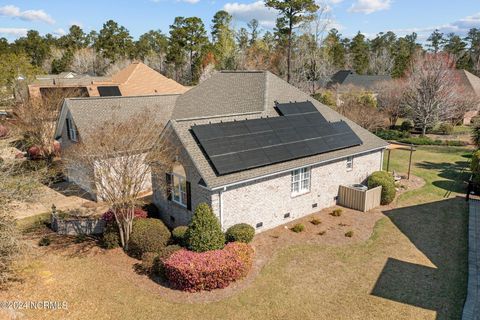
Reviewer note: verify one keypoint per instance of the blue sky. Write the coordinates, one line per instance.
(350, 16)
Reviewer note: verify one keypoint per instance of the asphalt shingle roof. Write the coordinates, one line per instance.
(349, 77)
(260, 91)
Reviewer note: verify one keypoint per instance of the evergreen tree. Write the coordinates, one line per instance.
(458, 48)
(359, 52)
(34, 46)
(335, 49)
(253, 26)
(292, 13)
(221, 21)
(114, 42)
(404, 49)
(242, 38)
(151, 42)
(204, 232)
(435, 41)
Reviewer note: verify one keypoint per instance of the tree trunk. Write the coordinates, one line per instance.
(424, 130)
(289, 49)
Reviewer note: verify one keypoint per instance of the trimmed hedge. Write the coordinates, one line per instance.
(161, 256)
(148, 235)
(241, 232)
(194, 271)
(204, 232)
(392, 134)
(179, 235)
(384, 179)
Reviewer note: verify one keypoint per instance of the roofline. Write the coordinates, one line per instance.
(295, 168)
(218, 116)
(124, 97)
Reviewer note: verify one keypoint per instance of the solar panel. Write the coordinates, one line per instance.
(290, 108)
(241, 145)
(109, 91)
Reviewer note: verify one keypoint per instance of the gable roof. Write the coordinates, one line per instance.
(470, 81)
(349, 77)
(139, 79)
(261, 90)
(90, 113)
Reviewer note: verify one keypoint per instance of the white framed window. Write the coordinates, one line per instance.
(349, 163)
(300, 181)
(179, 189)
(72, 131)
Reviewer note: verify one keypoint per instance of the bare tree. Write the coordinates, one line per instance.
(36, 117)
(390, 99)
(433, 89)
(87, 61)
(119, 153)
(381, 62)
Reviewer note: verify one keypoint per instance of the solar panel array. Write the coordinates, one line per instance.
(109, 91)
(301, 132)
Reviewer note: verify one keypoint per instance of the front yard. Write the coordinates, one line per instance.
(412, 266)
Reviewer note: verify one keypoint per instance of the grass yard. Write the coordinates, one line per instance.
(412, 267)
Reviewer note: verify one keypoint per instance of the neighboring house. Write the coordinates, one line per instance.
(345, 78)
(256, 156)
(471, 84)
(80, 116)
(137, 79)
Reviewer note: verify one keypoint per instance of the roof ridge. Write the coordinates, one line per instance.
(125, 97)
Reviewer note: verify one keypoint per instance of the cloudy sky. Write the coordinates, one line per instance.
(349, 16)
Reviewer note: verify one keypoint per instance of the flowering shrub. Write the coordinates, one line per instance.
(195, 271)
(137, 214)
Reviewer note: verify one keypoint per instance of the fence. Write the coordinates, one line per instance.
(353, 198)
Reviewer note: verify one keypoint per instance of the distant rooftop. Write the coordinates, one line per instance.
(349, 77)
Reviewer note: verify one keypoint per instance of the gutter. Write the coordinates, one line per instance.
(224, 187)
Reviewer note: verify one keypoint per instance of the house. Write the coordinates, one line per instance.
(345, 78)
(137, 79)
(258, 151)
(79, 117)
(471, 83)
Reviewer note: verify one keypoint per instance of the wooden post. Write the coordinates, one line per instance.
(410, 162)
(388, 160)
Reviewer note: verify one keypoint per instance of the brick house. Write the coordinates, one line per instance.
(240, 174)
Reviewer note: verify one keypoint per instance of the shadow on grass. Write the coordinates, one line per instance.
(456, 174)
(439, 231)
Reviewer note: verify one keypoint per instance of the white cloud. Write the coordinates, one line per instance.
(17, 32)
(369, 6)
(27, 15)
(256, 10)
(59, 32)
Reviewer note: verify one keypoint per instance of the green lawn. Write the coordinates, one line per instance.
(412, 267)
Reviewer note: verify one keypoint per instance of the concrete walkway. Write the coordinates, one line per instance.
(471, 309)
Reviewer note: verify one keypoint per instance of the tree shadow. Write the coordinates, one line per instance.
(439, 231)
(456, 174)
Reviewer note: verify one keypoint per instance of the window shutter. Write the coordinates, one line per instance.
(189, 196)
(68, 128)
(169, 186)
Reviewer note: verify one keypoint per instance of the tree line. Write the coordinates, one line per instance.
(301, 48)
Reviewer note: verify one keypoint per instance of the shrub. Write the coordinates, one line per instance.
(79, 238)
(179, 235)
(392, 134)
(349, 234)
(384, 179)
(148, 261)
(336, 212)
(204, 232)
(161, 256)
(326, 97)
(241, 232)
(111, 236)
(475, 135)
(298, 228)
(138, 213)
(44, 241)
(195, 271)
(315, 221)
(148, 235)
(445, 128)
(406, 125)
(475, 166)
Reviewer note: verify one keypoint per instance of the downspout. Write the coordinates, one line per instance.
(220, 201)
(381, 160)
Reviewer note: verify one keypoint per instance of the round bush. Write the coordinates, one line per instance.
(204, 232)
(179, 235)
(384, 179)
(195, 271)
(406, 125)
(111, 237)
(148, 235)
(445, 128)
(241, 232)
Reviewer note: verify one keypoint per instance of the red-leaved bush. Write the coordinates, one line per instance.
(138, 214)
(195, 271)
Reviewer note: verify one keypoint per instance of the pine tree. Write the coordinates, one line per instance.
(359, 52)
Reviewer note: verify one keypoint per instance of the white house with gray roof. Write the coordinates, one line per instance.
(259, 151)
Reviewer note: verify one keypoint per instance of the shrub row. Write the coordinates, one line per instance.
(195, 271)
(392, 134)
(428, 141)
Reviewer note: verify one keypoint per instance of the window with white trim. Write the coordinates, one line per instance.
(72, 130)
(179, 189)
(300, 181)
(349, 163)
